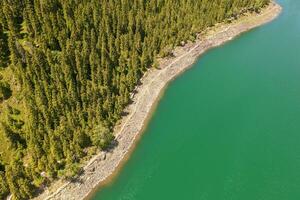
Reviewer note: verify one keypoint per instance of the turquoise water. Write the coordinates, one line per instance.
(227, 129)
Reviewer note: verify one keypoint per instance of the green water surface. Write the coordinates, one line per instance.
(228, 128)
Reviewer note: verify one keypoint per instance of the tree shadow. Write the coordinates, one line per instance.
(124, 113)
(112, 146)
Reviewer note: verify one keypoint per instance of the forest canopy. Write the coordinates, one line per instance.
(67, 68)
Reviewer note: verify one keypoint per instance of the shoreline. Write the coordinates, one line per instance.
(105, 166)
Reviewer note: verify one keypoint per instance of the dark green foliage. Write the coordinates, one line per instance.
(76, 62)
(4, 190)
(5, 91)
(4, 50)
(18, 181)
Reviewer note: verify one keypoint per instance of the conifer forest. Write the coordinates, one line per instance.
(67, 69)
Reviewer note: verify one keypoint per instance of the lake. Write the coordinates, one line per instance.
(228, 128)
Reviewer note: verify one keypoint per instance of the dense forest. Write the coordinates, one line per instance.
(67, 68)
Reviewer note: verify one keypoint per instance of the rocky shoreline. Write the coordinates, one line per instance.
(102, 166)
